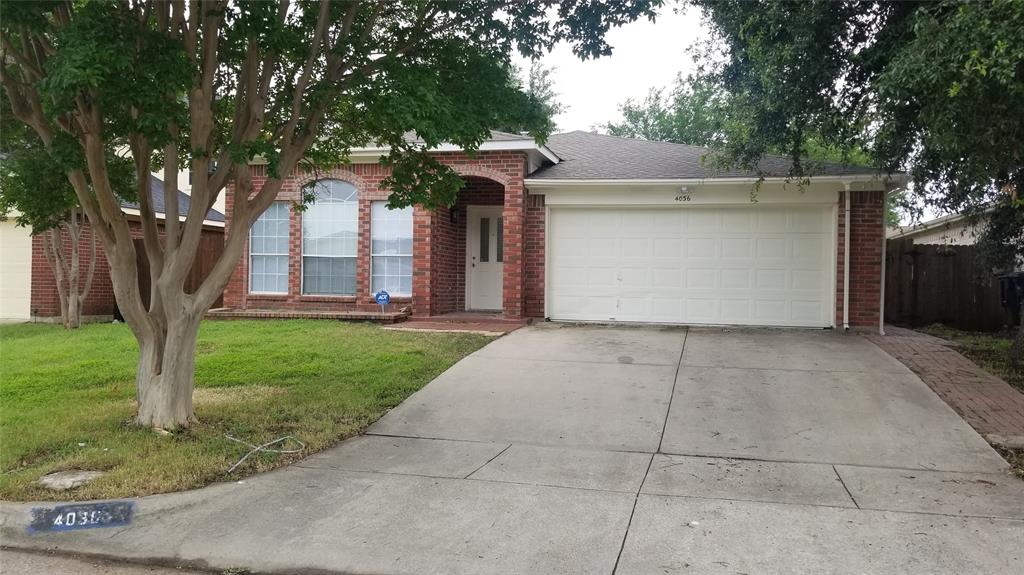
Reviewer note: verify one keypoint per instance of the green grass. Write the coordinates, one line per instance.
(67, 399)
(989, 350)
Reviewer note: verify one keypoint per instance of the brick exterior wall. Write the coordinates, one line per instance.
(534, 264)
(100, 302)
(493, 178)
(439, 245)
(867, 212)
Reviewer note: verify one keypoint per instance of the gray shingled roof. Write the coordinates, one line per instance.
(156, 189)
(590, 156)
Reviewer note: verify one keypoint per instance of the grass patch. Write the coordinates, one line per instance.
(1015, 457)
(67, 399)
(989, 350)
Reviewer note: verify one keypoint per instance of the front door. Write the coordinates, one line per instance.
(485, 256)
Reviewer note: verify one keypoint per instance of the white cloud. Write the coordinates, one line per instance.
(645, 54)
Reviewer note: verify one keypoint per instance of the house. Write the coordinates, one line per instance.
(15, 271)
(28, 290)
(948, 230)
(585, 227)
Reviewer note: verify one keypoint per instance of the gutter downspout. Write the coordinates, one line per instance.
(846, 257)
(885, 243)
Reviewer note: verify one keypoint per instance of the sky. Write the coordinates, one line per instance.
(644, 55)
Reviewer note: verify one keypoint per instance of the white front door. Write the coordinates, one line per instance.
(484, 235)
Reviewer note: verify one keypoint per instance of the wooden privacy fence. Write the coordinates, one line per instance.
(926, 284)
(211, 245)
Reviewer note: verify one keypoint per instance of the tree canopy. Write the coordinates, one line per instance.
(540, 87)
(215, 85)
(692, 113)
(933, 88)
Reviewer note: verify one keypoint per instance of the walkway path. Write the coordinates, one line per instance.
(989, 404)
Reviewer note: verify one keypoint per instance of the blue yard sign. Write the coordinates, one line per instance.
(383, 298)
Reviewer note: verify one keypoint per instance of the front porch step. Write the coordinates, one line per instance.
(387, 317)
(468, 317)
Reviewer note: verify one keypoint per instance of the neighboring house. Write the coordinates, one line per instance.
(15, 271)
(28, 290)
(585, 227)
(185, 185)
(949, 230)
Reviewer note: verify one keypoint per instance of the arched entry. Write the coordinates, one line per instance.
(468, 249)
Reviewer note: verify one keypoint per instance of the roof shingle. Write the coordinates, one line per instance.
(590, 156)
(156, 192)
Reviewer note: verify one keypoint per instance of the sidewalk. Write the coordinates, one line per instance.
(987, 403)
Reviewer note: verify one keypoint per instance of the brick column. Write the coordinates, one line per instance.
(867, 210)
(514, 218)
(422, 296)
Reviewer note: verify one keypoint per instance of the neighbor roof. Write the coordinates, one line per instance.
(156, 192)
(590, 156)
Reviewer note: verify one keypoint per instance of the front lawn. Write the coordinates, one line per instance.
(989, 350)
(67, 399)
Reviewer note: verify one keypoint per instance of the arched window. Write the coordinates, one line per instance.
(330, 232)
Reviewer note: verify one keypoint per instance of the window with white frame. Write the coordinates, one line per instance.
(391, 249)
(268, 251)
(330, 231)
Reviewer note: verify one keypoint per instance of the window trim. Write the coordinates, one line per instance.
(302, 245)
(410, 255)
(287, 255)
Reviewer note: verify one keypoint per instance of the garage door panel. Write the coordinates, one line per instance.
(764, 265)
(737, 248)
(737, 279)
(807, 311)
(702, 247)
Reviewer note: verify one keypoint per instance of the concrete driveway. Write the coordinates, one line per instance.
(621, 450)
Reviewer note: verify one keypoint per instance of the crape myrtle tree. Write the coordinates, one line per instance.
(933, 88)
(34, 187)
(211, 85)
(38, 192)
(45, 204)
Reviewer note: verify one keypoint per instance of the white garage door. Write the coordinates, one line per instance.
(748, 265)
(15, 271)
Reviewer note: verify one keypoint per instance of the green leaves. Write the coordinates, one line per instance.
(305, 82)
(693, 113)
(932, 88)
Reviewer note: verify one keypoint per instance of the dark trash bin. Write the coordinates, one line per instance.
(1011, 293)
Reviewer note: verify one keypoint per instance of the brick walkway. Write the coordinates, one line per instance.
(987, 403)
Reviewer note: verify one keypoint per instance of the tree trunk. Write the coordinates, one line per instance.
(72, 289)
(166, 375)
(73, 318)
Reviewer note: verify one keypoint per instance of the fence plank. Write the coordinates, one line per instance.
(211, 246)
(928, 284)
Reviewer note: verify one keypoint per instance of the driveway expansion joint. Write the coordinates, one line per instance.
(497, 455)
(636, 499)
(847, 489)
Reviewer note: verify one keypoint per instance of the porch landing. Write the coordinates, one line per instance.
(484, 323)
(386, 317)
